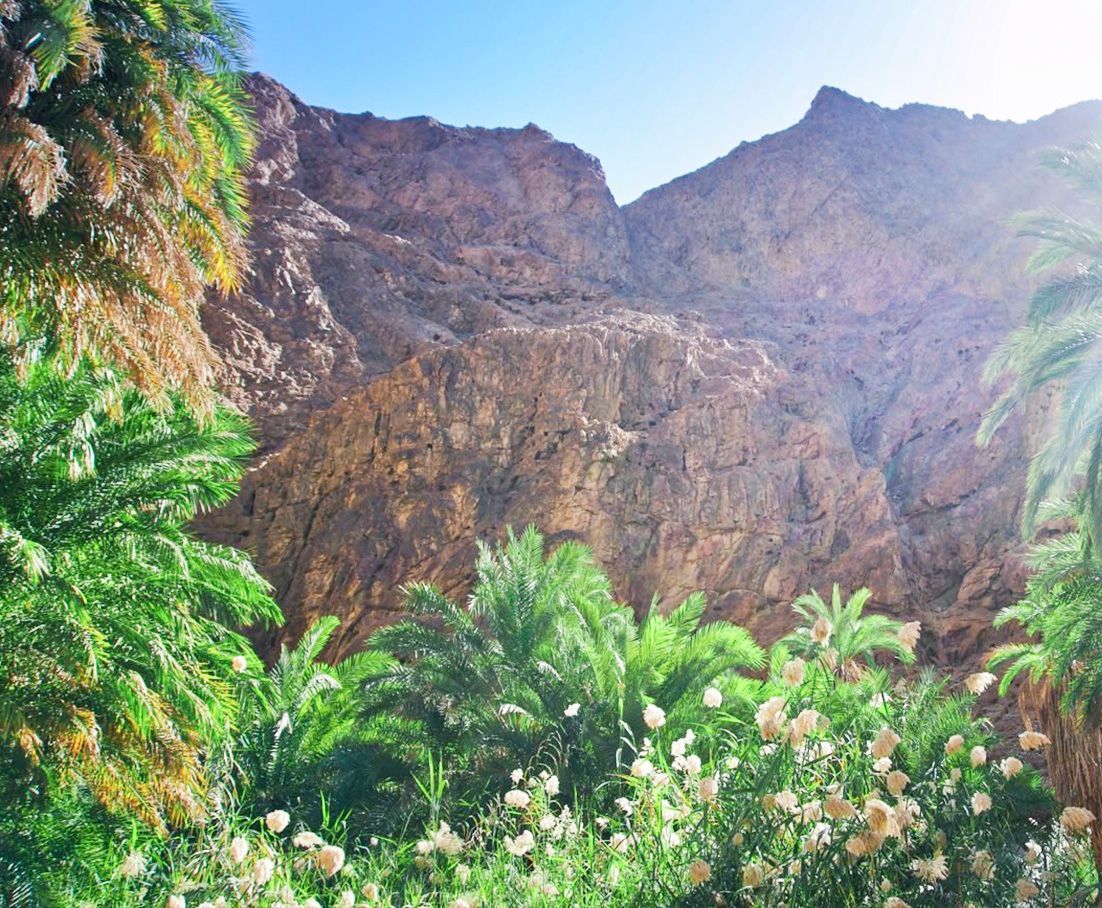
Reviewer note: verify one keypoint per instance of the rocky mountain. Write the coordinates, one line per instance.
(758, 378)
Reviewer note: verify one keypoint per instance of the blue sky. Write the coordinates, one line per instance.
(657, 89)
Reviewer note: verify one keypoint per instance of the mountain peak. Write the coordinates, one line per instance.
(830, 101)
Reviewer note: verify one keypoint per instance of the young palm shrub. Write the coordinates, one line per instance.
(116, 663)
(544, 664)
(123, 138)
(302, 738)
(844, 637)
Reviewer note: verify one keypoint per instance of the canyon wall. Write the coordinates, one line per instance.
(759, 378)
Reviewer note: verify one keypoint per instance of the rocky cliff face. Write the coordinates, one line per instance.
(758, 378)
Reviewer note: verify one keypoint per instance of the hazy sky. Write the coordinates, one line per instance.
(657, 89)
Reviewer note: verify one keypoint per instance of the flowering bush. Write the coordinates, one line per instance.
(805, 788)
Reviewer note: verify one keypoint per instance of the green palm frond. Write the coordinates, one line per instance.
(112, 641)
(1060, 348)
(490, 684)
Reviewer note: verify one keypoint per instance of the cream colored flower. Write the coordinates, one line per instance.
(551, 786)
(620, 842)
(880, 700)
(517, 798)
(793, 672)
(462, 873)
(884, 743)
(240, 664)
(699, 872)
(771, 717)
(1010, 767)
(821, 631)
(347, 899)
(895, 901)
(642, 768)
(753, 875)
(625, 805)
(837, 808)
(654, 716)
(277, 820)
(1024, 890)
(907, 812)
(1033, 740)
(238, 849)
(1076, 820)
(459, 903)
(709, 789)
(330, 859)
(1032, 852)
(786, 801)
(803, 725)
(882, 766)
(263, 871)
(713, 698)
(909, 634)
(930, 870)
(979, 682)
(897, 781)
(981, 802)
(176, 901)
(447, 841)
(819, 837)
(979, 755)
(371, 890)
(881, 818)
(307, 840)
(955, 743)
(865, 843)
(133, 865)
(983, 865)
(521, 845)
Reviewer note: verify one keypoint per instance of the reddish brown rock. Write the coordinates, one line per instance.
(758, 378)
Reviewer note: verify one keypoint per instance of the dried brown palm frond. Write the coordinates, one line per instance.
(123, 138)
(1075, 753)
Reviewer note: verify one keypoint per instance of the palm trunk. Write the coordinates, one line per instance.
(1074, 756)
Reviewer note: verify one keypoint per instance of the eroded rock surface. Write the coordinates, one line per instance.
(758, 378)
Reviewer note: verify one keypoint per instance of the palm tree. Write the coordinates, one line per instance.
(1059, 346)
(1062, 612)
(123, 137)
(844, 637)
(543, 663)
(303, 738)
(116, 664)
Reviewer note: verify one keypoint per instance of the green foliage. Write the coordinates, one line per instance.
(114, 655)
(809, 814)
(1059, 346)
(845, 635)
(302, 738)
(124, 135)
(544, 664)
(1062, 610)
